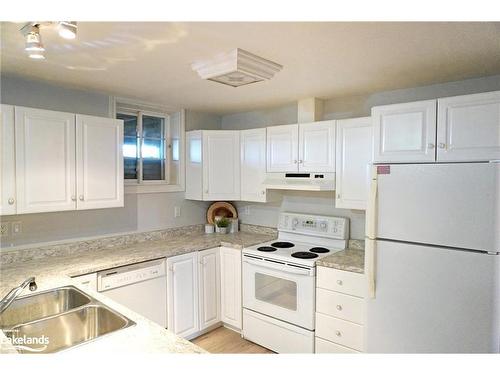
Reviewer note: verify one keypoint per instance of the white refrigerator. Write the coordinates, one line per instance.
(432, 258)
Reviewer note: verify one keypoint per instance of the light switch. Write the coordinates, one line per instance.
(177, 211)
(17, 227)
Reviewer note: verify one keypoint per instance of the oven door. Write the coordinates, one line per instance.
(279, 290)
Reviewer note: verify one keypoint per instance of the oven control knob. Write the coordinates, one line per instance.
(295, 222)
(323, 225)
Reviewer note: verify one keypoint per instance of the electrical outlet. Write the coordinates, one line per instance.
(4, 229)
(246, 210)
(17, 228)
(177, 211)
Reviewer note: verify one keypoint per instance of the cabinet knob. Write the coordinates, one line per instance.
(206, 191)
(338, 196)
(300, 161)
(73, 198)
(430, 146)
(442, 145)
(338, 333)
(295, 162)
(11, 201)
(339, 282)
(81, 197)
(263, 192)
(339, 307)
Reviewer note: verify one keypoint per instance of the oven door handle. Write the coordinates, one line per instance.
(282, 267)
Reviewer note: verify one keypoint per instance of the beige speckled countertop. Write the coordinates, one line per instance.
(352, 259)
(55, 270)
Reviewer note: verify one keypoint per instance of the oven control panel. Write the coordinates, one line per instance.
(324, 226)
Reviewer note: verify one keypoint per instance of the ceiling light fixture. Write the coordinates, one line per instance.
(236, 68)
(67, 29)
(34, 46)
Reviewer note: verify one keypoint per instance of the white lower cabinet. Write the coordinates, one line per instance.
(209, 287)
(231, 296)
(340, 311)
(182, 294)
(193, 289)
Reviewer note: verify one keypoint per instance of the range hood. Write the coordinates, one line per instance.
(300, 181)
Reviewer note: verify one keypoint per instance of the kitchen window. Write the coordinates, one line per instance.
(152, 148)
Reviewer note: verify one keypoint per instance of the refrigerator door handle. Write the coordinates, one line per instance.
(371, 211)
(370, 261)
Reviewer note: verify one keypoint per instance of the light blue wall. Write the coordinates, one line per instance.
(29, 93)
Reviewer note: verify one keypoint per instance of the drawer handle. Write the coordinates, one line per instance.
(339, 307)
(339, 282)
(338, 333)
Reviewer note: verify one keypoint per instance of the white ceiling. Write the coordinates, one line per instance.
(152, 61)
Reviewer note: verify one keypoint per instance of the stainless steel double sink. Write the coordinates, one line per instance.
(58, 319)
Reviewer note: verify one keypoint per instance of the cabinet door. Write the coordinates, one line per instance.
(221, 165)
(99, 165)
(282, 148)
(404, 132)
(231, 308)
(7, 161)
(194, 172)
(354, 154)
(253, 164)
(209, 287)
(182, 291)
(317, 147)
(45, 160)
(469, 127)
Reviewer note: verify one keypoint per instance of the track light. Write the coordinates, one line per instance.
(34, 46)
(67, 29)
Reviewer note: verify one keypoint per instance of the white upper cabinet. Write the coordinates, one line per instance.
(182, 294)
(404, 132)
(194, 171)
(99, 167)
(45, 160)
(209, 287)
(253, 164)
(231, 302)
(282, 148)
(317, 147)
(354, 155)
(213, 165)
(7, 161)
(469, 127)
(221, 165)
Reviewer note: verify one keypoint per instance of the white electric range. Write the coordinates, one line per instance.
(279, 281)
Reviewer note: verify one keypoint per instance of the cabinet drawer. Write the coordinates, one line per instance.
(339, 331)
(324, 346)
(341, 281)
(340, 305)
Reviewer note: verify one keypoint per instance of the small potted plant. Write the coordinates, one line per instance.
(222, 225)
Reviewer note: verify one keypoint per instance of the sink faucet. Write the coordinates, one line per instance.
(11, 296)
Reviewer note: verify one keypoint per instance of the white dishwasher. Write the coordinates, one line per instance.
(142, 287)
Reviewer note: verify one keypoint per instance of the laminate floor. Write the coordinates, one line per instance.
(226, 341)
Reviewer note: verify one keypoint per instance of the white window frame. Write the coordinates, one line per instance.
(132, 107)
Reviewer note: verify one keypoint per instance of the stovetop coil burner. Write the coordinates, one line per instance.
(266, 249)
(282, 245)
(319, 250)
(304, 255)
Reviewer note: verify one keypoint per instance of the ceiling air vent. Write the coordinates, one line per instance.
(236, 68)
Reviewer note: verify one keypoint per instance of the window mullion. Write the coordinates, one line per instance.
(139, 156)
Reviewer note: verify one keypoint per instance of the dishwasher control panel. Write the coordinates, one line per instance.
(117, 277)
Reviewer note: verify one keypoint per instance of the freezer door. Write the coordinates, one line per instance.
(453, 205)
(433, 300)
